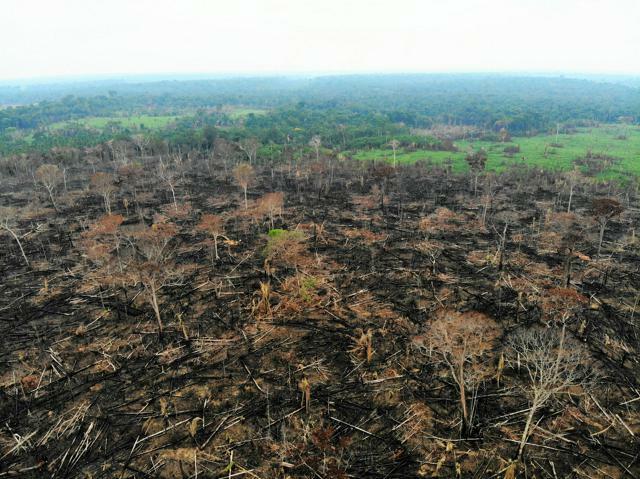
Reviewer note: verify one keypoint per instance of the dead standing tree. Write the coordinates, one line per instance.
(394, 144)
(382, 174)
(250, 148)
(476, 161)
(271, 205)
(170, 173)
(566, 232)
(316, 142)
(102, 183)
(603, 210)
(462, 340)
(49, 176)
(551, 366)
(213, 225)
(152, 264)
(245, 176)
(572, 178)
(8, 216)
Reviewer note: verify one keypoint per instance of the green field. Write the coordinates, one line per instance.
(131, 122)
(601, 140)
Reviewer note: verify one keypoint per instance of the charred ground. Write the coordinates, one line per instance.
(310, 347)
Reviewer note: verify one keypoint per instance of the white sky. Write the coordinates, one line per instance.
(89, 37)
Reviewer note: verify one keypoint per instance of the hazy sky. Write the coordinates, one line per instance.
(79, 37)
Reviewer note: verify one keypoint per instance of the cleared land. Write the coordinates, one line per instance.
(544, 151)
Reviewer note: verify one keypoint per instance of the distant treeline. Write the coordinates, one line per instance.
(346, 111)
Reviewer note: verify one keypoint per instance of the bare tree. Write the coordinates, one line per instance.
(245, 176)
(461, 341)
(169, 173)
(131, 177)
(567, 229)
(316, 142)
(271, 204)
(250, 148)
(552, 367)
(141, 142)
(213, 225)
(49, 176)
(8, 216)
(603, 210)
(572, 178)
(476, 161)
(153, 265)
(504, 135)
(394, 144)
(102, 183)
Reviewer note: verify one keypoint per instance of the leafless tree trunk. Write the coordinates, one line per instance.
(5, 226)
(550, 366)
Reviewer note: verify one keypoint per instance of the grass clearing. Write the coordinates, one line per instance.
(537, 151)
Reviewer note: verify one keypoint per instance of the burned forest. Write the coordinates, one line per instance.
(217, 312)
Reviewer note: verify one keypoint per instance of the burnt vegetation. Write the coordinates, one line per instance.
(217, 313)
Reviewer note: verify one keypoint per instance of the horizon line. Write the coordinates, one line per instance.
(159, 76)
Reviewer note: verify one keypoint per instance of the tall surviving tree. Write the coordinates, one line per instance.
(603, 210)
(103, 184)
(462, 340)
(245, 175)
(49, 176)
(551, 367)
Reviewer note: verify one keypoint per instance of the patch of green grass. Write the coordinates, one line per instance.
(537, 151)
(131, 122)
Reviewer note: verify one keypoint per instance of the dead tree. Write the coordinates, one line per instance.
(250, 148)
(394, 144)
(285, 248)
(245, 176)
(271, 205)
(213, 225)
(462, 340)
(170, 174)
(8, 216)
(382, 174)
(566, 228)
(49, 176)
(603, 210)
(102, 183)
(551, 367)
(131, 178)
(476, 161)
(316, 142)
(572, 178)
(152, 264)
(141, 142)
(101, 243)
